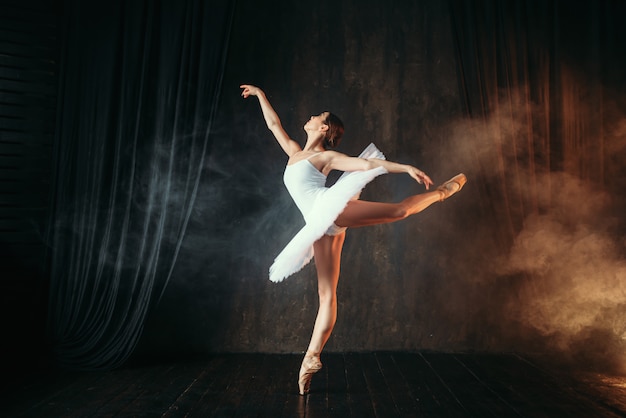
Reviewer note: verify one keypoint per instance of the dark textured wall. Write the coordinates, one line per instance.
(388, 70)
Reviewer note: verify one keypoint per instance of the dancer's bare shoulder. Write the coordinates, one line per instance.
(303, 155)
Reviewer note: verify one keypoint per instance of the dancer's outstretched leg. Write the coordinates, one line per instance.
(327, 252)
(363, 213)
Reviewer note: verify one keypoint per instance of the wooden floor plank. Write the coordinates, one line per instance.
(511, 391)
(96, 391)
(139, 395)
(218, 400)
(359, 401)
(267, 388)
(337, 391)
(405, 402)
(477, 399)
(403, 384)
(541, 394)
(564, 387)
(212, 375)
(157, 393)
(434, 398)
(39, 393)
(608, 391)
(281, 391)
(377, 386)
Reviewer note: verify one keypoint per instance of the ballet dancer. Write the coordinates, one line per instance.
(329, 211)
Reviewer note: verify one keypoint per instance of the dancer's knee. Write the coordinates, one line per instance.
(326, 295)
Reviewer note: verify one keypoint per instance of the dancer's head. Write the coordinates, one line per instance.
(327, 124)
(333, 135)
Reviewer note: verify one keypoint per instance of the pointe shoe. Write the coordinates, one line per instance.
(311, 364)
(452, 186)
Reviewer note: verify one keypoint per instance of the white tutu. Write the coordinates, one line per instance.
(329, 202)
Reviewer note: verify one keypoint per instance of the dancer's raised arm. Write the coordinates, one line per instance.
(271, 119)
(342, 162)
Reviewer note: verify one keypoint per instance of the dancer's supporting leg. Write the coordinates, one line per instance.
(327, 252)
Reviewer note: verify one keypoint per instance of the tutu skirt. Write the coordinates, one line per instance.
(328, 205)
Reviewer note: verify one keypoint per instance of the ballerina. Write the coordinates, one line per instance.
(329, 211)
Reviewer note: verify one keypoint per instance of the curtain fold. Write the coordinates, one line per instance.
(140, 83)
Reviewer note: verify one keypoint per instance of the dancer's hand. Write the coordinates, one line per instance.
(249, 90)
(420, 177)
(271, 119)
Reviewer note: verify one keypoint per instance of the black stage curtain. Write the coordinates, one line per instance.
(140, 82)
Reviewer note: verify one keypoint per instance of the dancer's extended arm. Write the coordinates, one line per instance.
(342, 162)
(271, 118)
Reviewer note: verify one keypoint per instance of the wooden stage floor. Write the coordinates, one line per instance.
(381, 384)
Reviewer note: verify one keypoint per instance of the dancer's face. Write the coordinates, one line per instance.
(316, 122)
